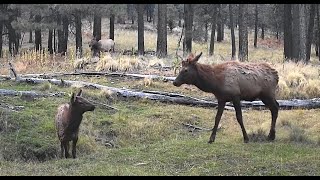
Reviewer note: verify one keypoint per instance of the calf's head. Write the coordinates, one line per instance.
(188, 73)
(80, 104)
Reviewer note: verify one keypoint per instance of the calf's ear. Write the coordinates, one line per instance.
(80, 92)
(72, 98)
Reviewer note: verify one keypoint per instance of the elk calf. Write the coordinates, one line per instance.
(233, 81)
(68, 119)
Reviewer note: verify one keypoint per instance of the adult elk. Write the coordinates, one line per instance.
(68, 119)
(233, 81)
(104, 45)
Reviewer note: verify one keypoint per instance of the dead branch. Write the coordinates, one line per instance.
(11, 68)
(194, 127)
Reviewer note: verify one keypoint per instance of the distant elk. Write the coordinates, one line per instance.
(103, 45)
(233, 81)
(68, 120)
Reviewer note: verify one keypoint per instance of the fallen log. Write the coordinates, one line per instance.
(55, 75)
(174, 98)
(31, 94)
(126, 93)
(11, 108)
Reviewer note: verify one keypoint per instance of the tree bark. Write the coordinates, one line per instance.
(262, 31)
(188, 20)
(111, 36)
(213, 29)
(97, 26)
(60, 35)
(65, 24)
(255, 26)
(162, 31)
(219, 24)
(30, 37)
(303, 33)
(54, 41)
(287, 31)
(295, 32)
(78, 34)
(50, 36)
(206, 31)
(1, 30)
(233, 38)
(140, 29)
(243, 32)
(37, 35)
(318, 32)
(310, 31)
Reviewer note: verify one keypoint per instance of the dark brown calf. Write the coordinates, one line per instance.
(233, 81)
(68, 119)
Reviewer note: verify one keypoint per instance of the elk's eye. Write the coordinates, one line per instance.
(185, 70)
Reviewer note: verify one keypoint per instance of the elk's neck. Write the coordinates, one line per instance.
(206, 80)
(75, 119)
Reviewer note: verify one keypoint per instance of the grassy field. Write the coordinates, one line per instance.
(148, 138)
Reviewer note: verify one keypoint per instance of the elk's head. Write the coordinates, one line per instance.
(188, 73)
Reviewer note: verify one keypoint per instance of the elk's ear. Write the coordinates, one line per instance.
(196, 58)
(80, 92)
(184, 63)
(72, 98)
(190, 57)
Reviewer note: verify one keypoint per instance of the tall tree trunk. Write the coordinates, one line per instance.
(303, 32)
(140, 29)
(310, 31)
(162, 31)
(30, 36)
(255, 27)
(243, 32)
(97, 27)
(60, 35)
(50, 36)
(65, 24)
(206, 31)
(233, 38)
(1, 30)
(112, 26)
(188, 20)
(287, 31)
(180, 17)
(54, 41)
(78, 34)
(219, 24)
(213, 29)
(262, 31)
(12, 37)
(30, 31)
(318, 32)
(295, 32)
(37, 34)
